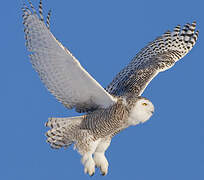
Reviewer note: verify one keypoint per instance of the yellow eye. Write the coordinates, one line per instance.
(144, 104)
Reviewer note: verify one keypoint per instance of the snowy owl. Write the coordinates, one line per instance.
(107, 111)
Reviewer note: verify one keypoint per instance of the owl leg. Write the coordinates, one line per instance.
(89, 164)
(87, 160)
(99, 156)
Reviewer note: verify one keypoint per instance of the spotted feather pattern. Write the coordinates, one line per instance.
(63, 131)
(159, 55)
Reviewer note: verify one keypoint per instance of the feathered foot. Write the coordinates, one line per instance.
(101, 162)
(89, 164)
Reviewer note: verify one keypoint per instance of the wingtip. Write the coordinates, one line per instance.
(194, 23)
(46, 124)
(197, 33)
(177, 28)
(32, 7)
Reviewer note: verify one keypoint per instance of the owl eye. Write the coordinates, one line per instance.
(144, 104)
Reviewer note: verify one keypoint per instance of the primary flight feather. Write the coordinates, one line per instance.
(110, 110)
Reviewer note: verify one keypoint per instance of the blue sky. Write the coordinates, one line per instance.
(104, 36)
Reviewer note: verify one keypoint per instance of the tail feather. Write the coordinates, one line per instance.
(61, 122)
(62, 131)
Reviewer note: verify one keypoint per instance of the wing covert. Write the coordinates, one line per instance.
(59, 70)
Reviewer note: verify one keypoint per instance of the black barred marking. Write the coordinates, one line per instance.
(177, 54)
(48, 19)
(56, 146)
(24, 12)
(57, 130)
(167, 33)
(41, 11)
(60, 134)
(192, 28)
(27, 10)
(187, 25)
(196, 35)
(32, 7)
(185, 28)
(194, 24)
(189, 35)
(175, 45)
(192, 42)
(177, 28)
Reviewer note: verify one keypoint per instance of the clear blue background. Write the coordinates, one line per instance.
(104, 36)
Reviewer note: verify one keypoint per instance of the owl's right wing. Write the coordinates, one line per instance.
(59, 70)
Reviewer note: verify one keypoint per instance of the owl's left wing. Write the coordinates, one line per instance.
(159, 55)
(59, 70)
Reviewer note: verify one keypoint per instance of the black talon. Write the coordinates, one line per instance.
(91, 174)
(103, 174)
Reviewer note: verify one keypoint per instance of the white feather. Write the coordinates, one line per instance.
(60, 71)
(141, 113)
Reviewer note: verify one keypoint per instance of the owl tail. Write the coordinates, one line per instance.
(63, 131)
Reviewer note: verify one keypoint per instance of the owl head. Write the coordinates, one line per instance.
(141, 110)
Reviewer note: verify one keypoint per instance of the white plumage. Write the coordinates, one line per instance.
(59, 69)
(110, 110)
